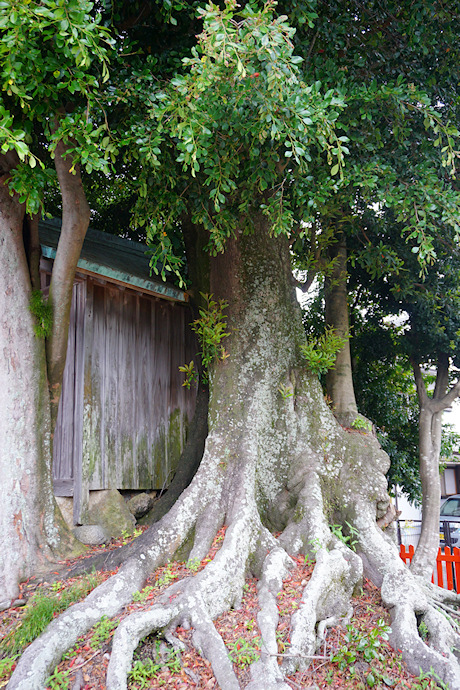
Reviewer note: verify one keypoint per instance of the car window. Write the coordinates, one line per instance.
(451, 507)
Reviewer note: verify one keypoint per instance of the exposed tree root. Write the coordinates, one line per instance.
(413, 602)
(198, 600)
(326, 600)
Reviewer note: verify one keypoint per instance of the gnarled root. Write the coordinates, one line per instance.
(326, 600)
(409, 609)
(423, 625)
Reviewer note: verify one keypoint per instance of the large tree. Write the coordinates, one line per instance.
(238, 130)
(397, 63)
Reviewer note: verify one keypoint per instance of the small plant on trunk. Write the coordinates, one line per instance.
(320, 353)
(211, 329)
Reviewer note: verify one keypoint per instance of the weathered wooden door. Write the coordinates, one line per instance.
(67, 446)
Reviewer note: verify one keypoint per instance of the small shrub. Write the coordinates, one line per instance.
(143, 594)
(362, 424)
(102, 631)
(349, 540)
(166, 577)
(7, 664)
(193, 565)
(59, 680)
(243, 653)
(320, 353)
(211, 329)
(364, 647)
(143, 670)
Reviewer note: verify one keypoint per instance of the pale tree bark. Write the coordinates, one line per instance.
(30, 529)
(430, 429)
(274, 459)
(339, 380)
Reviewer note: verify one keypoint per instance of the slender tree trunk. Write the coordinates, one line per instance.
(32, 248)
(430, 430)
(75, 221)
(339, 380)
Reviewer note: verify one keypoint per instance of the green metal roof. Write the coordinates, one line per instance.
(113, 258)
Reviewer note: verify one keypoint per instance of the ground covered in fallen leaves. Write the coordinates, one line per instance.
(355, 655)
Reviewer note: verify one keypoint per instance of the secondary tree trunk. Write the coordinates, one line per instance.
(30, 522)
(339, 380)
(75, 221)
(274, 459)
(32, 530)
(430, 430)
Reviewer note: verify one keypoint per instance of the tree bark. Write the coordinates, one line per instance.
(32, 249)
(339, 380)
(75, 221)
(274, 458)
(30, 529)
(430, 430)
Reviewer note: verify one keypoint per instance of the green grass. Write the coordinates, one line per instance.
(41, 609)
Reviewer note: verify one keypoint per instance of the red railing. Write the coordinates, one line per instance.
(447, 576)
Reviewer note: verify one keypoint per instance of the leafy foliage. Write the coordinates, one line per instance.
(235, 126)
(243, 652)
(385, 393)
(102, 631)
(210, 328)
(349, 540)
(145, 669)
(59, 680)
(7, 664)
(54, 58)
(365, 646)
(362, 424)
(320, 353)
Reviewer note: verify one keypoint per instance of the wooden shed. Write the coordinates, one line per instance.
(123, 414)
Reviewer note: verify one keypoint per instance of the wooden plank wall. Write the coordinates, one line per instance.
(67, 447)
(135, 409)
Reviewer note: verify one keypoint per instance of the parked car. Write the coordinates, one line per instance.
(449, 525)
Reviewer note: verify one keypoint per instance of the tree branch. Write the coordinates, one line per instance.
(75, 221)
(419, 383)
(442, 376)
(448, 399)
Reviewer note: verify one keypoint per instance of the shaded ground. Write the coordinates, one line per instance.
(355, 655)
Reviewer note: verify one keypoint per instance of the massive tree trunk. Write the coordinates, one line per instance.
(430, 429)
(339, 380)
(274, 459)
